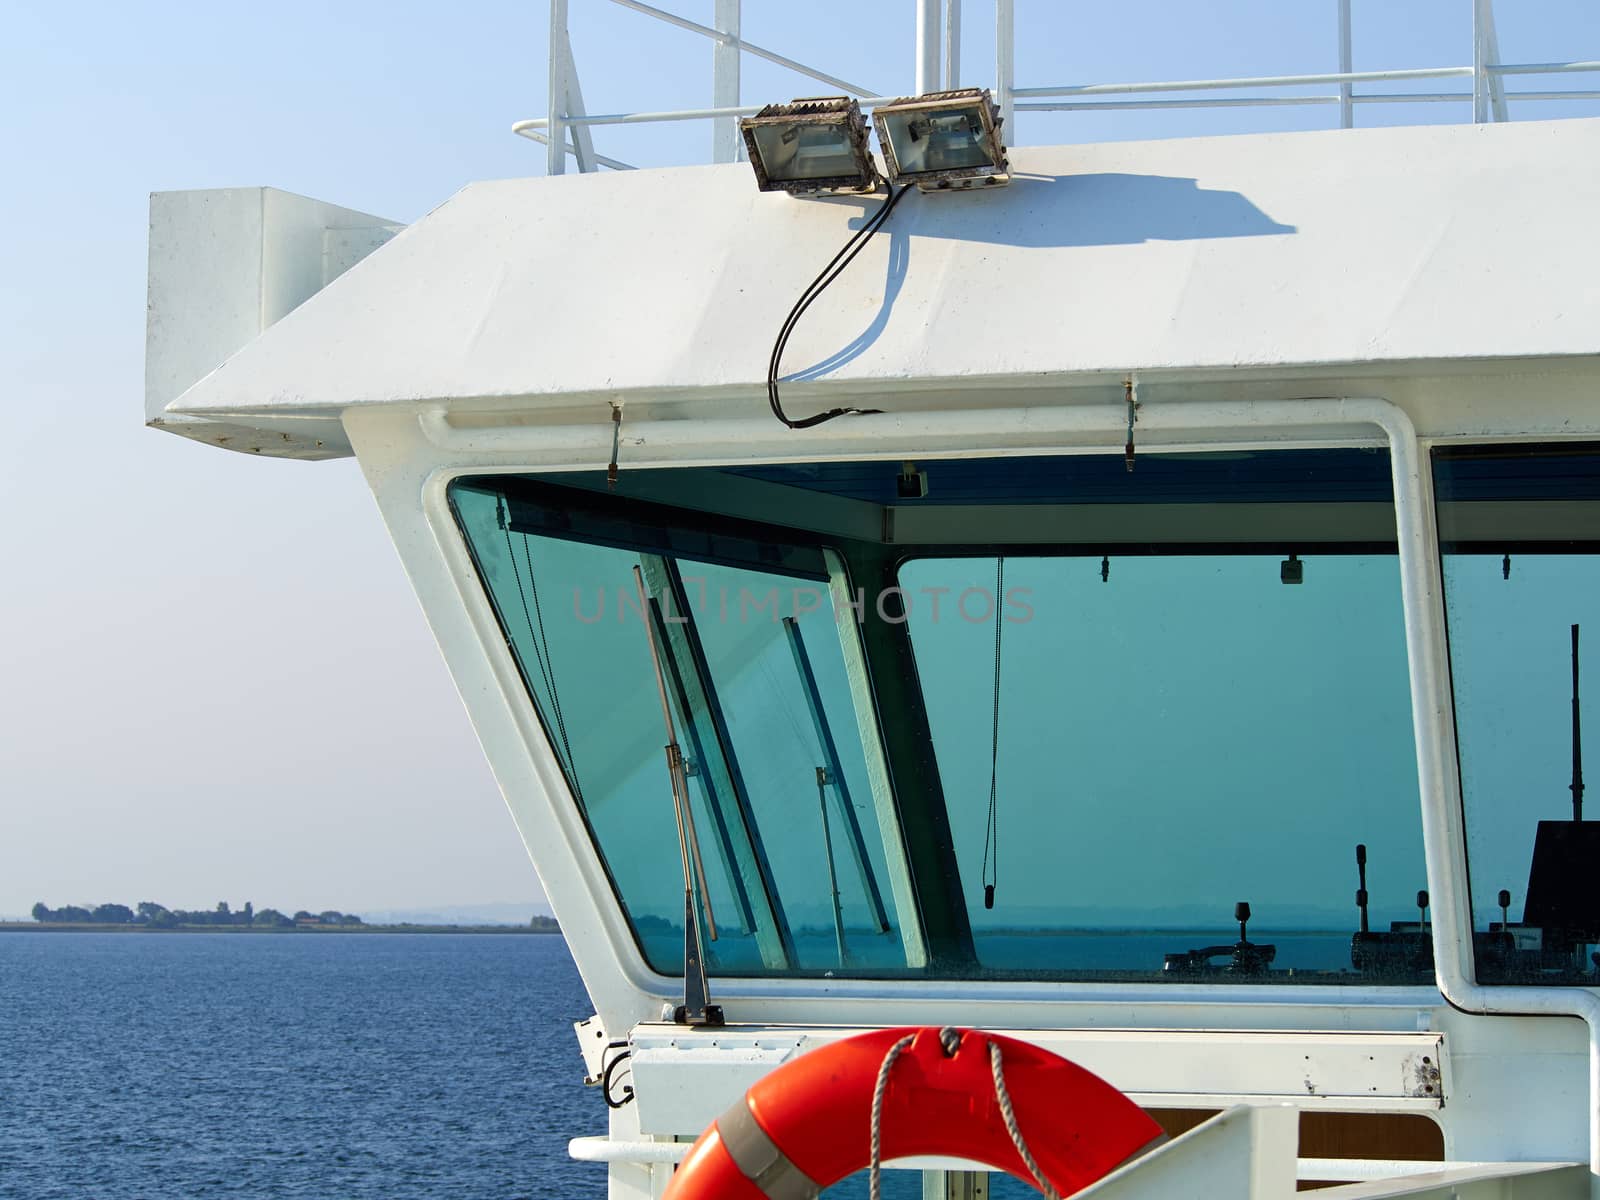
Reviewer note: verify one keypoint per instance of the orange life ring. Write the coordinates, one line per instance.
(806, 1125)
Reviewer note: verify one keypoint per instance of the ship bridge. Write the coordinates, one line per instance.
(1168, 650)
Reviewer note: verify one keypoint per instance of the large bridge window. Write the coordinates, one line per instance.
(1520, 531)
(785, 813)
(1023, 718)
(1156, 737)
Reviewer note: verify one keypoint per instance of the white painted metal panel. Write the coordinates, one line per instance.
(684, 1078)
(668, 1079)
(1477, 1181)
(1247, 1153)
(224, 265)
(1277, 252)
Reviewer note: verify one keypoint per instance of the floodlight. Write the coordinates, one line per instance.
(814, 145)
(943, 140)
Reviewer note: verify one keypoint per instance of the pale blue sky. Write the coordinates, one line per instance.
(214, 682)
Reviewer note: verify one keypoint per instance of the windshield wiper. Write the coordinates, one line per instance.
(831, 772)
(696, 1008)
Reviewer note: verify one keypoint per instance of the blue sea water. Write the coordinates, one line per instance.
(405, 1066)
(328, 1067)
(372, 1065)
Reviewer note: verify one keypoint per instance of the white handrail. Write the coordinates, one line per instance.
(1281, 101)
(1488, 95)
(1557, 68)
(1199, 85)
(1053, 99)
(648, 118)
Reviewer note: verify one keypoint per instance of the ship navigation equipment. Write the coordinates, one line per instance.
(1560, 915)
(1244, 957)
(1361, 887)
(1562, 899)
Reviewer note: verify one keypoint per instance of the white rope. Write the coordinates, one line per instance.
(1009, 1116)
(950, 1041)
(874, 1168)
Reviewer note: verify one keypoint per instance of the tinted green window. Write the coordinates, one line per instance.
(1202, 700)
(1185, 733)
(1519, 529)
(784, 810)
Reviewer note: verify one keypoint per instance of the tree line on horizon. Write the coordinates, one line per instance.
(158, 916)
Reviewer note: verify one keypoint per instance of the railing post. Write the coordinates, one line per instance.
(1480, 61)
(1347, 106)
(555, 162)
(927, 46)
(582, 135)
(1491, 54)
(725, 58)
(1005, 35)
(952, 43)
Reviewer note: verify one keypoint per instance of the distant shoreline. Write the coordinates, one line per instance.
(315, 930)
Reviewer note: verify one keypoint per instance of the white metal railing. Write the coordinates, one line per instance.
(566, 131)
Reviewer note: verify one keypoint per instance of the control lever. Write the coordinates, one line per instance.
(1361, 886)
(1404, 950)
(1244, 956)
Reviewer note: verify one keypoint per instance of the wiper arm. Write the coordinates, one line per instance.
(696, 1008)
(835, 776)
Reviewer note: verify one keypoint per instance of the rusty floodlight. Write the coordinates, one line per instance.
(811, 145)
(943, 140)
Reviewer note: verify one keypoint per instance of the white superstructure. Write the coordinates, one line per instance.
(1374, 353)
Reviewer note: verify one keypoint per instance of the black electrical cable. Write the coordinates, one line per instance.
(606, 1081)
(829, 273)
(832, 271)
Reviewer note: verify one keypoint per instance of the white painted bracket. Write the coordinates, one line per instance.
(1476, 1181)
(225, 264)
(592, 1045)
(1244, 1154)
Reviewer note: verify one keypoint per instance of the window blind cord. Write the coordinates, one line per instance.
(991, 832)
